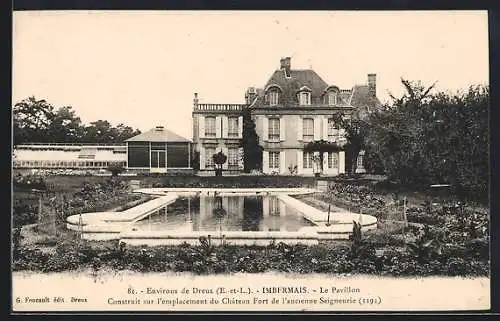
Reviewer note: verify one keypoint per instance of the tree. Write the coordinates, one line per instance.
(219, 159)
(65, 127)
(395, 134)
(461, 139)
(425, 138)
(416, 93)
(125, 132)
(99, 131)
(36, 121)
(252, 151)
(355, 132)
(195, 160)
(31, 120)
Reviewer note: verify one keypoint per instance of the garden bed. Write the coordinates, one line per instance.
(446, 240)
(57, 205)
(208, 259)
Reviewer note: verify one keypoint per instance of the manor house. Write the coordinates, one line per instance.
(294, 107)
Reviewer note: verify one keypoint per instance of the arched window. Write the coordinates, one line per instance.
(332, 98)
(331, 95)
(272, 95)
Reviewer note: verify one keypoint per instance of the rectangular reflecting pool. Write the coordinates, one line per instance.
(224, 213)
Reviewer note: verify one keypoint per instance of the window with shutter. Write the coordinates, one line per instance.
(307, 161)
(233, 127)
(307, 129)
(210, 128)
(274, 129)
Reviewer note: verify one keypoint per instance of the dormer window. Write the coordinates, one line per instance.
(304, 98)
(272, 97)
(332, 98)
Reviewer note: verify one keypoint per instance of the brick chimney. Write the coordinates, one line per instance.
(286, 65)
(195, 101)
(372, 84)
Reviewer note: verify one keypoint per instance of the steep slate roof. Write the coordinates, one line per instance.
(363, 101)
(358, 96)
(298, 78)
(361, 97)
(156, 135)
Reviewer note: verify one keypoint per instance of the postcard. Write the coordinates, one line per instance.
(232, 161)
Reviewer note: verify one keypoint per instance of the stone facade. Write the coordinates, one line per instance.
(291, 141)
(218, 127)
(294, 108)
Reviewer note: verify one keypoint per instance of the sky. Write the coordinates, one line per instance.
(141, 68)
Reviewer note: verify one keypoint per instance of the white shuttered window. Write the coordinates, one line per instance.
(307, 129)
(210, 129)
(274, 129)
(233, 128)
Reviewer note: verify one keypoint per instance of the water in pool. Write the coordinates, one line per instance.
(225, 213)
